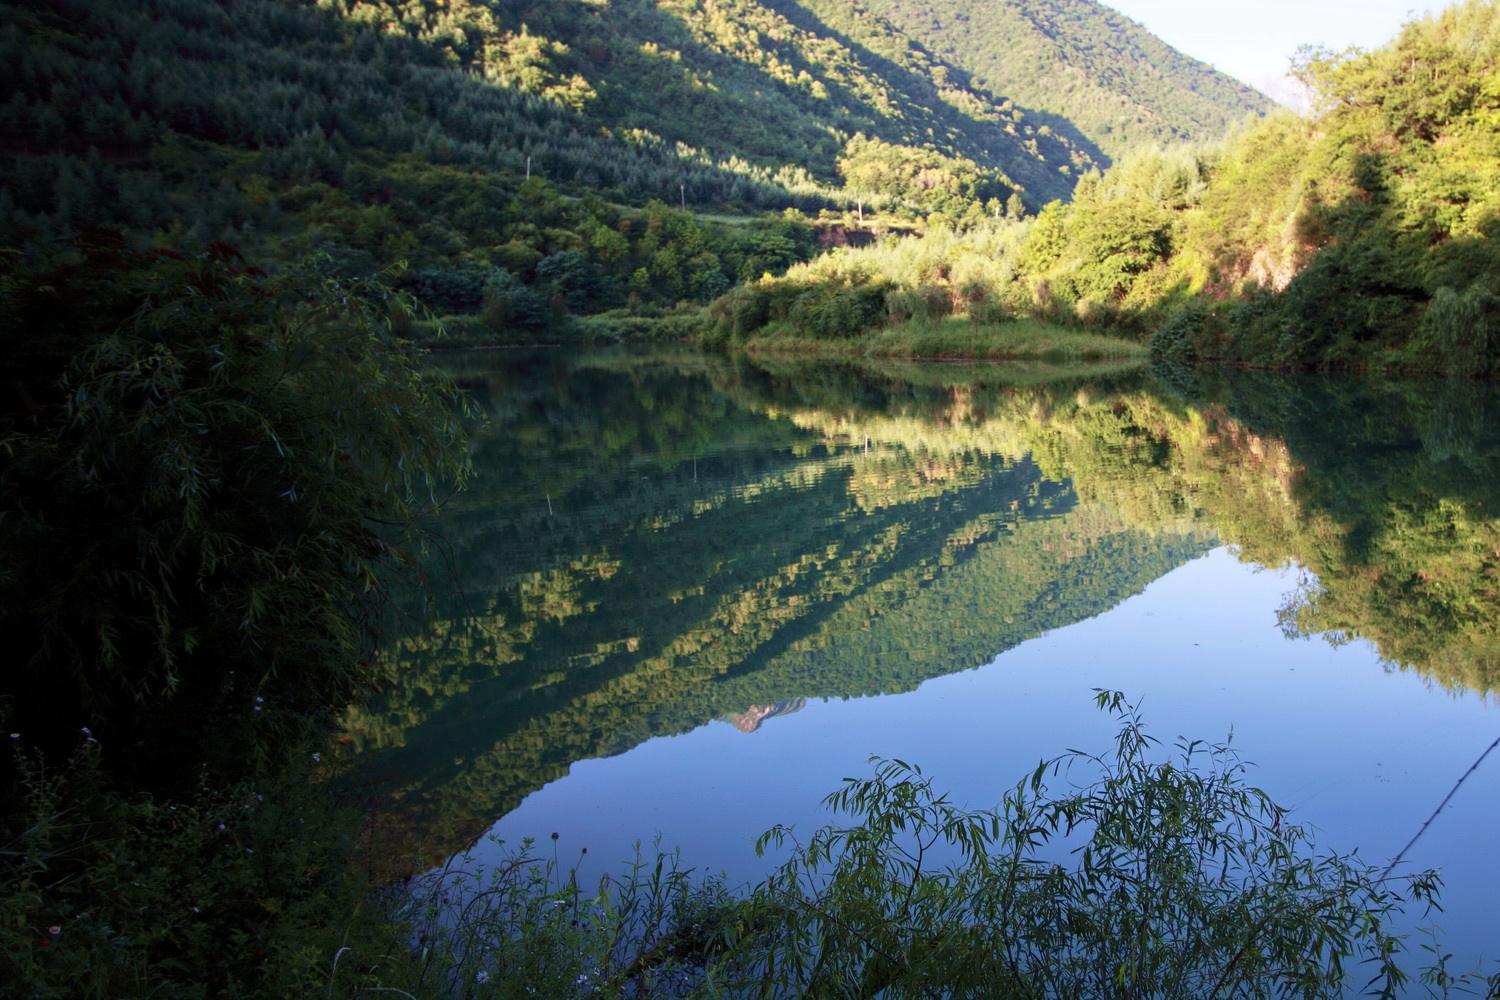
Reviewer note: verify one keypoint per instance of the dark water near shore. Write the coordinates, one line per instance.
(686, 596)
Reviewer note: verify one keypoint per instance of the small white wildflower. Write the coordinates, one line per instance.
(481, 977)
(221, 826)
(15, 736)
(196, 910)
(317, 758)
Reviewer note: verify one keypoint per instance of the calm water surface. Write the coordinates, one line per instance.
(686, 596)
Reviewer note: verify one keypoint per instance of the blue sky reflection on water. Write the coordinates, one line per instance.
(1361, 752)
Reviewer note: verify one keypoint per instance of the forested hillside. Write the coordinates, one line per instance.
(1082, 62)
(780, 86)
(287, 130)
(513, 163)
(1367, 235)
(733, 104)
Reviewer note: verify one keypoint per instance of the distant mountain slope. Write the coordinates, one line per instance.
(781, 85)
(1078, 59)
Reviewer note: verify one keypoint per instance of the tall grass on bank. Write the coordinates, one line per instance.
(952, 338)
(247, 889)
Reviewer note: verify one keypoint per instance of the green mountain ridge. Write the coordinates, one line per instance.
(743, 102)
(1083, 62)
(780, 88)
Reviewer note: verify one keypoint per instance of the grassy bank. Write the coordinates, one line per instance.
(956, 338)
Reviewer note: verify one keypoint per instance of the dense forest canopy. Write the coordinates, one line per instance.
(294, 130)
(516, 167)
(783, 87)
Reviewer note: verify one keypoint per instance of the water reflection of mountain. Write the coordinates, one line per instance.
(652, 546)
(674, 555)
(752, 718)
(1385, 491)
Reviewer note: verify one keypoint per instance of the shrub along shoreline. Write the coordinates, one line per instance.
(212, 474)
(954, 339)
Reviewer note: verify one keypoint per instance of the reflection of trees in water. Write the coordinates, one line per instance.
(1386, 492)
(1382, 489)
(724, 540)
(663, 594)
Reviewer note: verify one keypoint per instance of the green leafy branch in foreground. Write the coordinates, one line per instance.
(1146, 877)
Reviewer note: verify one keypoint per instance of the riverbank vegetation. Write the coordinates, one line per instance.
(1364, 236)
(210, 476)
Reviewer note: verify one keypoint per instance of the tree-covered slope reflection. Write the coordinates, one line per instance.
(1398, 490)
(655, 545)
(1386, 492)
(652, 547)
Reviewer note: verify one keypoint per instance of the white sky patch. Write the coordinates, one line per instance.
(1255, 42)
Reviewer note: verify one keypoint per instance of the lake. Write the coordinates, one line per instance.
(686, 595)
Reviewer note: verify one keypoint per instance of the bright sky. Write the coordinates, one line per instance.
(1256, 41)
